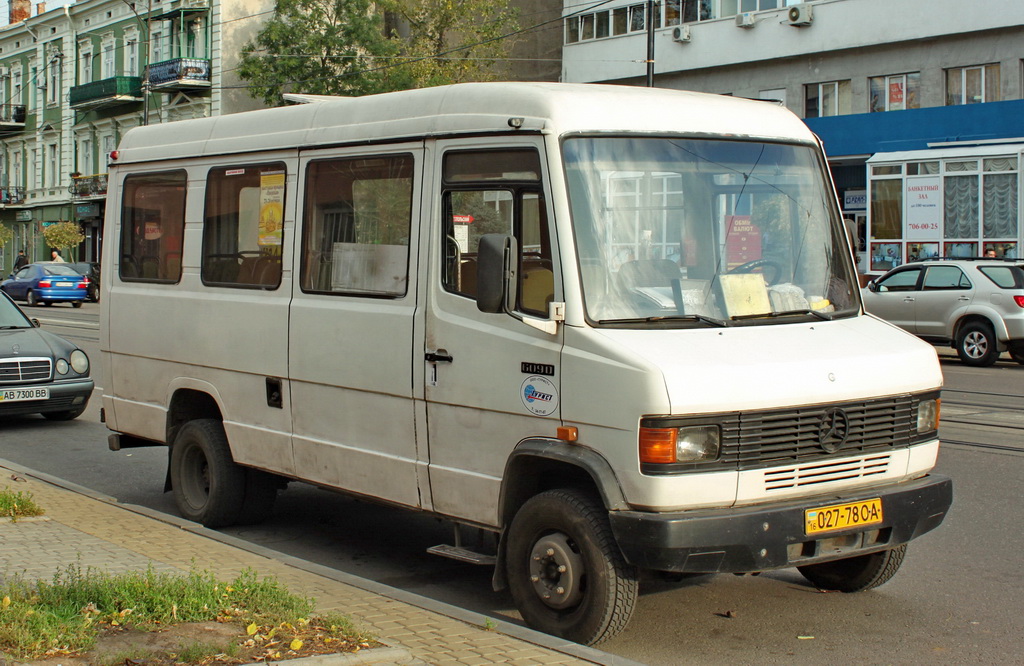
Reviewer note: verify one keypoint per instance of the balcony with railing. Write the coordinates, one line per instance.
(12, 117)
(87, 187)
(115, 90)
(179, 74)
(12, 195)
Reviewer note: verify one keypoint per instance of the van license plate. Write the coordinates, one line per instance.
(842, 516)
(20, 395)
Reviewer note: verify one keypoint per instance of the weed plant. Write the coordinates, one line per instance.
(63, 615)
(17, 504)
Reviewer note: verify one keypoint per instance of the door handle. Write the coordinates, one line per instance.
(439, 356)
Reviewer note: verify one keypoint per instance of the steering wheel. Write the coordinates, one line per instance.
(770, 270)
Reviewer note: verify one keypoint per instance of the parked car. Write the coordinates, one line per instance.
(40, 373)
(975, 305)
(47, 282)
(91, 270)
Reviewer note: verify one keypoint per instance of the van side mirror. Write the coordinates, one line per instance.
(496, 265)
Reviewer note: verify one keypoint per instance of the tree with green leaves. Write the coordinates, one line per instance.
(346, 47)
(63, 235)
(319, 47)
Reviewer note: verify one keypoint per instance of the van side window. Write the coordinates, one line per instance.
(490, 192)
(243, 228)
(152, 226)
(357, 217)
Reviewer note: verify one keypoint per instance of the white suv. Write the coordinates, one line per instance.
(977, 305)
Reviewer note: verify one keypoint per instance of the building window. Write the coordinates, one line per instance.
(131, 53)
(16, 87)
(85, 161)
(52, 155)
(108, 61)
(827, 99)
(155, 45)
(624, 20)
(894, 93)
(53, 82)
(972, 85)
(34, 88)
(85, 72)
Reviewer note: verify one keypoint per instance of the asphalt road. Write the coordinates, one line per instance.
(956, 600)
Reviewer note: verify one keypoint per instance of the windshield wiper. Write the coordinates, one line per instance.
(686, 317)
(785, 313)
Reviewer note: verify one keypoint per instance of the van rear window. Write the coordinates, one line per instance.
(152, 226)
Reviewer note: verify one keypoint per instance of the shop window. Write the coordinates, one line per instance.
(827, 99)
(960, 209)
(972, 85)
(894, 93)
(887, 208)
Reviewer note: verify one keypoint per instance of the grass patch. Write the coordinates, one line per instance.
(18, 504)
(66, 615)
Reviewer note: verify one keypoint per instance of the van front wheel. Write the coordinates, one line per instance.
(565, 572)
(209, 487)
(856, 574)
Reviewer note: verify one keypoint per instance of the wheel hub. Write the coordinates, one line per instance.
(976, 345)
(556, 571)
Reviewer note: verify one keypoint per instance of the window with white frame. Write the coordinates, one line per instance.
(15, 162)
(85, 69)
(156, 39)
(831, 98)
(52, 155)
(108, 71)
(16, 97)
(972, 85)
(108, 144)
(131, 53)
(33, 86)
(85, 158)
(53, 81)
(894, 93)
(33, 169)
(631, 18)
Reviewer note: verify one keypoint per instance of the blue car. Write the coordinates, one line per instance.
(40, 373)
(47, 282)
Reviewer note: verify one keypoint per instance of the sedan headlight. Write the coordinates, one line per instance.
(680, 445)
(79, 362)
(62, 366)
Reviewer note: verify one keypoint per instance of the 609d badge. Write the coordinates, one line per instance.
(539, 395)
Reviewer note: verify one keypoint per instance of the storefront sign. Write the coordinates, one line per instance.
(23, 216)
(855, 200)
(87, 210)
(924, 208)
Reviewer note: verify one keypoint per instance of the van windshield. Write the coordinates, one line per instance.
(698, 232)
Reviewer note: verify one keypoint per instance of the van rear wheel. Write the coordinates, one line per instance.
(565, 571)
(209, 487)
(856, 574)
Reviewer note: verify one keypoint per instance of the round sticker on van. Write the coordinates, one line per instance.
(539, 395)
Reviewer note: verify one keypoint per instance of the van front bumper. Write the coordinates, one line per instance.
(771, 536)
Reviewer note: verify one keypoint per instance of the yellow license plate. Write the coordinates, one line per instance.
(842, 516)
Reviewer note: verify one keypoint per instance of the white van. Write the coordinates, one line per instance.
(618, 328)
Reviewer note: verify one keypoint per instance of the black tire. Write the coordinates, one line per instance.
(976, 344)
(64, 416)
(209, 488)
(856, 574)
(31, 299)
(76, 304)
(565, 572)
(260, 495)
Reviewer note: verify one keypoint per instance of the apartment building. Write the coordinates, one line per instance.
(74, 79)
(918, 102)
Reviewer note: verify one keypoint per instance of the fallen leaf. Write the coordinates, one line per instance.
(6, 602)
(296, 644)
(251, 629)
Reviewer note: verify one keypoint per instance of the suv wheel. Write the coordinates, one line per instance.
(976, 344)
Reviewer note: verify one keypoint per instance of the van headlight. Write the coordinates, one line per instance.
(79, 362)
(928, 415)
(687, 444)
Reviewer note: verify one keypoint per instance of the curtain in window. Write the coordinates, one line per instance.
(961, 206)
(1000, 205)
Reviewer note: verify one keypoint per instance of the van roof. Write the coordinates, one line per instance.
(464, 108)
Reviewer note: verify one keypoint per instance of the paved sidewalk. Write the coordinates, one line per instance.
(91, 530)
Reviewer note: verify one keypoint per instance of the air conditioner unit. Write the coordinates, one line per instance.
(681, 33)
(745, 20)
(800, 15)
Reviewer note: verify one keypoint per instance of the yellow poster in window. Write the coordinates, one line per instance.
(271, 209)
